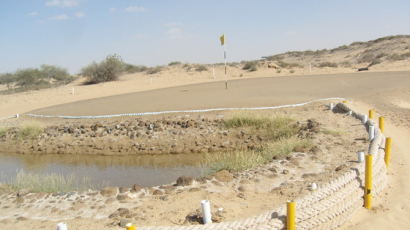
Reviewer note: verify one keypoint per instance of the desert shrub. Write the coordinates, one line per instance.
(201, 68)
(129, 68)
(154, 70)
(327, 64)
(278, 71)
(398, 57)
(285, 65)
(29, 131)
(366, 57)
(340, 48)
(107, 70)
(291, 71)
(251, 66)
(346, 64)
(174, 63)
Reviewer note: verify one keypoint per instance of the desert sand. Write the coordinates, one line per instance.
(387, 92)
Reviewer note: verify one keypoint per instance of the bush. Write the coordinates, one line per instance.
(154, 70)
(328, 64)
(129, 68)
(251, 66)
(285, 65)
(201, 68)
(107, 70)
(174, 63)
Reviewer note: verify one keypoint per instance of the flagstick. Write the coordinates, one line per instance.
(226, 77)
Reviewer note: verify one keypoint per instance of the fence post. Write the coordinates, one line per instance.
(387, 151)
(371, 114)
(381, 124)
(291, 216)
(130, 226)
(368, 182)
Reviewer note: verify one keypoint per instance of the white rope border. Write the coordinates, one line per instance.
(181, 111)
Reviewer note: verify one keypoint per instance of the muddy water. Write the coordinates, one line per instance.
(105, 170)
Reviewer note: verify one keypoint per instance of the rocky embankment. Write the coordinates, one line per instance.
(135, 136)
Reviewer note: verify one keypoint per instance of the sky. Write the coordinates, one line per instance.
(73, 33)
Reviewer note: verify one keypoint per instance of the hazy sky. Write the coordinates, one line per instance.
(72, 33)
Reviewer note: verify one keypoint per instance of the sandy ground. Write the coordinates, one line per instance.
(387, 92)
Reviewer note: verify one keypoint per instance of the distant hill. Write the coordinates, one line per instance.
(357, 54)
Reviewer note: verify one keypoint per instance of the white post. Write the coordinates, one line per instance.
(62, 226)
(371, 132)
(206, 211)
(17, 115)
(360, 157)
(313, 186)
(331, 106)
(364, 119)
(310, 67)
(72, 91)
(213, 71)
(350, 113)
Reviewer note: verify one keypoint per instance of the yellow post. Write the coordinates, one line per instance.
(368, 182)
(387, 151)
(371, 114)
(345, 101)
(291, 216)
(130, 226)
(381, 124)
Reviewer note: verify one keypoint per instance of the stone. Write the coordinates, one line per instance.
(223, 176)
(340, 167)
(136, 188)
(184, 181)
(242, 188)
(109, 191)
(123, 222)
(157, 192)
(285, 171)
(109, 201)
(124, 189)
(123, 197)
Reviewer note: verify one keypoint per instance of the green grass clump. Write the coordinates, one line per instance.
(3, 131)
(242, 160)
(174, 63)
(30, 131)
(47, 183)
(154, 70)
(274, 127)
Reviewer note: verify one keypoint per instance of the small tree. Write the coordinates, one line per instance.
(107, 70)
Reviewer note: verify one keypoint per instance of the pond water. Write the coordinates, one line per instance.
(102, 171)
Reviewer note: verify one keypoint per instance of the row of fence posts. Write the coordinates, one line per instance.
(291, 205)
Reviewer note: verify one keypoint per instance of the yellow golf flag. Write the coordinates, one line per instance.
(222, 38)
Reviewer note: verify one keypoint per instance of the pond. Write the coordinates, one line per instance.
(99, 171)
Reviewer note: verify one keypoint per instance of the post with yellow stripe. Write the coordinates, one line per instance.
(368, 182)
(291, 216)
(222, 39)
(381, 124)
(387, 151)
(371, 114)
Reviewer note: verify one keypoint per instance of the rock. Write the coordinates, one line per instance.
(21, 218)
(157, 193)
(194, 190)
(109, 201)
(285, 171)
(340, 167)
(123, 197)
(109, 191)
(123, 222)
(136, 188)
(184, 181)
(124, 189)
(242, 188)
(22, 192)
(223, 176)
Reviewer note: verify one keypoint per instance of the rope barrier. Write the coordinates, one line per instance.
(182, 111)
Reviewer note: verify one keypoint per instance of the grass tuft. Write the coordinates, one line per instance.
(3, 131)
(47, 183)
(332, 132)
(242, 160)
(274, 127)
(30, 130)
